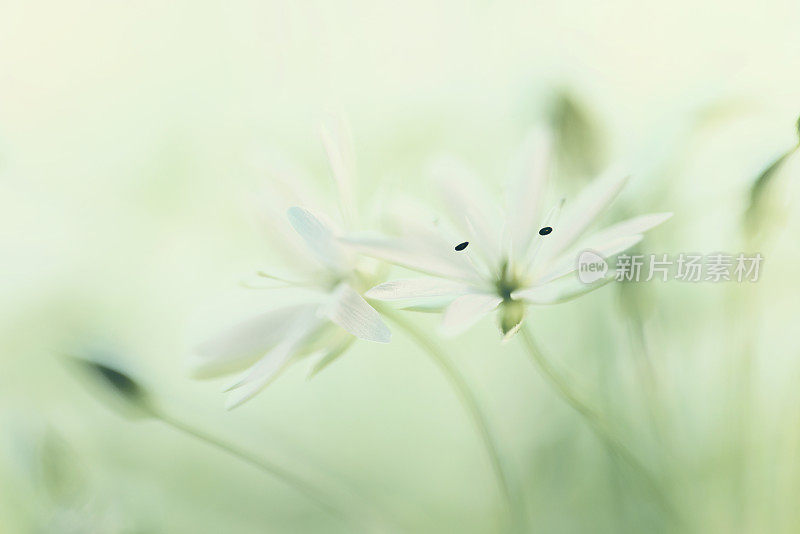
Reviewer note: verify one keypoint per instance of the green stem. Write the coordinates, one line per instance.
(594, 420)
(473, 409)
(314, 494)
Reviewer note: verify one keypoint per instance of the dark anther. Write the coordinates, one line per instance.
(546, 230)
(462, 246)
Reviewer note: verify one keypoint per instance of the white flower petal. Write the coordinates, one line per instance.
(525, 193)
(264, 280)
(407, 215)
(282, 238)
(568, 263)
(579, 215)
(469, 206)
(607, 242)
(629, 227)
(339, 152)
(416, 288)
(319, 237)
(551, 220)
(427, 305)
(614, 246)
(558, 291)
(416, 254)
(261, 378)
(264, 371)
(328, 356)
(467, 310)
(349, 310)
(242, 344)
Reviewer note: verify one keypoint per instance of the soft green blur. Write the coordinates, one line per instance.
(134, 137)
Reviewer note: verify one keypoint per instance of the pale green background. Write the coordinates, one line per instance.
(132, 140)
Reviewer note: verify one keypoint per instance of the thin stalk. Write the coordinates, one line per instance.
(470, 404)
(302, 486)
(138, 402)
(594, 420)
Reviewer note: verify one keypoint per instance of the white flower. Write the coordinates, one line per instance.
(321, 327)
(493, 262)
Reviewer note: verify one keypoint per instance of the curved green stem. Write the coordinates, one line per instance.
(142, 404)
(302, 486)
(473, 409)
(593, 419)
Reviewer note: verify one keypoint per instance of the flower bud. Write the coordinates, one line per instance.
(135, 401)
(512, 312)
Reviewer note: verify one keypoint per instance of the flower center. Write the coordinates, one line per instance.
(361, 279)
(507, 282)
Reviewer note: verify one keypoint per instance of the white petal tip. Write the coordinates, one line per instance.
(235, 385)
(230, 405)
(294, 211)
(234, 401)
(382, 337)
(511, 333)
(376, 293)
(237, 399)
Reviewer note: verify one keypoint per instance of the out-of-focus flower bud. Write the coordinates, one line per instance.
(132, 399)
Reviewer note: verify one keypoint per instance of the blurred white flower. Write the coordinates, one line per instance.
(323, 324)
(489, 261)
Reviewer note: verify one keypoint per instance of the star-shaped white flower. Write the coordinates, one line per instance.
(492, 262)
(323, 324)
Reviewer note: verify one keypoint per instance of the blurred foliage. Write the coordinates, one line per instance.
(62, 477)
(126, 204)
(765, 203)
(579, 147)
